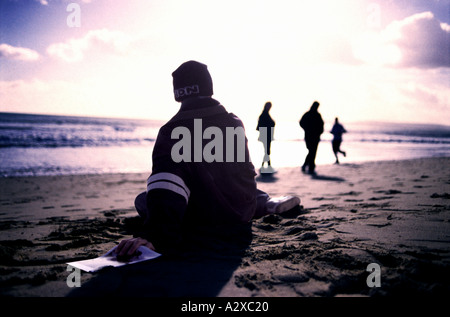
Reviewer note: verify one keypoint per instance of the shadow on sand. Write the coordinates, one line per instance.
(326, 178)
(266, 178)
(201, 269)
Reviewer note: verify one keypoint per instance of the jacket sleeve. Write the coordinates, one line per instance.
(321, 125)
(302, 122)
(167, 196)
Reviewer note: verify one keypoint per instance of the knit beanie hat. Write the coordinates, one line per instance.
(192, 79)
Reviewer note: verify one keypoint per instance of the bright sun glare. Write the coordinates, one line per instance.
(288, 52)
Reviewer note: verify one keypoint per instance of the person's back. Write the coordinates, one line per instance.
(265, 120)
(222, 187)
(337, 130)
(312, 123)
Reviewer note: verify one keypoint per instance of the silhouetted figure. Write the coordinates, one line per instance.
(266, 128)
(337, 131)
(312, 123)
(182, 197)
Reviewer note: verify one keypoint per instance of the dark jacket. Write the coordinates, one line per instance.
(337, 131)
(185, 193)
(312, 123)
(266, 121)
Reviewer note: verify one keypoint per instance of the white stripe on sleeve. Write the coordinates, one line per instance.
(170, 182)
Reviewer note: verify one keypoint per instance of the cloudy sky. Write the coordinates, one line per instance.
(361, 59)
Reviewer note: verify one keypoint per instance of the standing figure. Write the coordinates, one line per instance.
(312, 124)
(266, 128)
(337, 132)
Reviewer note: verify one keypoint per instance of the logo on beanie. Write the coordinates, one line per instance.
(186, 91)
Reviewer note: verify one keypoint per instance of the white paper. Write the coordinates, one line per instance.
(110, 259)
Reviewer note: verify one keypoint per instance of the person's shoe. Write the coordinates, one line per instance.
(267, 170)
(282, 204)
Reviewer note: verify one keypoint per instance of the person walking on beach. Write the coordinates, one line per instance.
(312, 123)
(182, 194)
(266, 127)
(337, 131)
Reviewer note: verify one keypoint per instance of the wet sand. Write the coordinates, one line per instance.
(392, 213)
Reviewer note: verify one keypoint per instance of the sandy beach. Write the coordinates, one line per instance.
(392, 213)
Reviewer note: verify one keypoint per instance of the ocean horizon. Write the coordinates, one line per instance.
(36, 145)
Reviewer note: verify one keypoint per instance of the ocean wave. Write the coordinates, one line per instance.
(38, 131)
(42, 142)
(406, 141)
(43, 131)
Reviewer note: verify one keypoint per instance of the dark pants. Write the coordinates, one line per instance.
(261, 199)
(336, 146)
(311, 145)
(267, 146)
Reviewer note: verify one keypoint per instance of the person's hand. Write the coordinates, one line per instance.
(128, 247)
